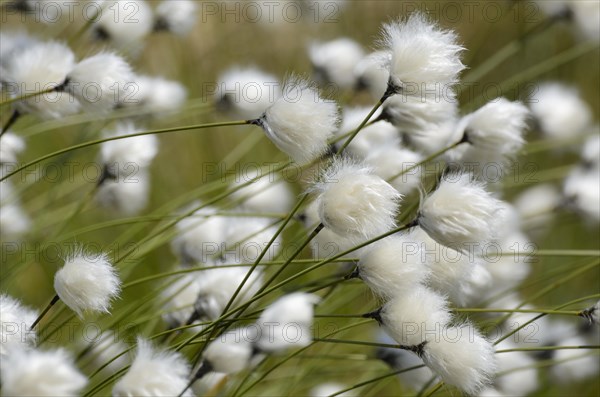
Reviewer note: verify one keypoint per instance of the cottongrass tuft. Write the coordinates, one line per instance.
(459, 212)
(154, 373)
(15, 321)
(40, 373)
(353, 202)
(87, 282)
(300, 122)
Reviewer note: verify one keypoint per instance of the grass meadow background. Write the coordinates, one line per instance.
(192, 161)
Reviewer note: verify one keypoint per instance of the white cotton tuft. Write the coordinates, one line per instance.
(327, 389)
(105, 348)
(355, 203)
(232, 351)
(199, 236)
(521, 377)
(390, 161)
(287, 323)
(462, 358)
(416, 315)
(14, 221)
(121, 156)
(300, 122)
(594, 313)
(100, 82)
(245, 93)
(371, 73)
(586, 15)
(537, 204)
(512, 268)
(125, 24)
(560, 111)
(178, 299)
(424, 57)
(40, 373)
(574, 365)
(269, 193)
(11, 145)
(154, 373)
(156, 95)
(432, 137)
(127, 195)
(494, 132)
(327, 243)
(87, 282)
(459, 212)
(370, 137)
(178, 16)
(15, 320)
(412, 114)
(582, 190)
(449, 271)
(37, 68)
(334, 62)
(246, 237)
(590, 152)
(218, 285)
(393, 265)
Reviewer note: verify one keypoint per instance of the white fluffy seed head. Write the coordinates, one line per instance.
(416, 315)
(536, 205)
(11, 145)
(521, 377)
(459, 212)
(40, 373)
(125, 24)
(327, 389)
(266, 194)
(560, 111)
(198, 233)
(595, 313)
(231, 352)
(334, 61)
(179, 298)
(300, 122)
(586, 15)
(355, 203)
(462, 357)
(590, 152)
(101, 81)
(390, 161)
(14, 221)
(87, 282)
(156, 95)
(217, 287)
(449, 271)
(370, 137)
(178, 16)
(121, 155)
(15, 320)
(154, 373)
(287, 322)
(246, 92)
(327, 243)
(246, 237)
(106, 347)
(422, 54)
(39, 67)
(573, 365)
(498, 126)
(582, 190)
(412, 114)
(371, 73)
(127, 195)
(387, 267)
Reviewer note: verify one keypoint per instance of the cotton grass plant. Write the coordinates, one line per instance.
(321, 219)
